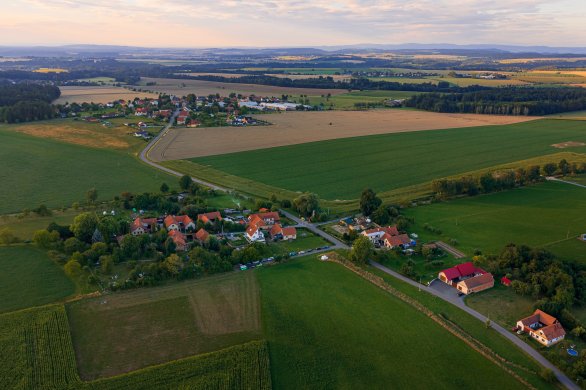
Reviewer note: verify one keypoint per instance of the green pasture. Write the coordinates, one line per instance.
(549, 215)
(43, 171)
(29, 278)
(342, 168)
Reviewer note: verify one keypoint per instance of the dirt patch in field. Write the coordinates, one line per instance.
(569, 144)
(98, 94)
(301, 127)
(74, 135)
(204, 88)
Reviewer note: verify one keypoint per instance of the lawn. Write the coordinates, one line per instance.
(25, 227)
(43, 171)
(305, 240)
(547, 215)
(328, 328)
(502, 305)
(128, 331)
(29, 278)
(342, 168)
(348, 100)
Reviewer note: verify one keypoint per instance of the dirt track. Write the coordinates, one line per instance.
(300, 127)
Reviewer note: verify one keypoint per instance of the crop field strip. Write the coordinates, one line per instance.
(340, 169)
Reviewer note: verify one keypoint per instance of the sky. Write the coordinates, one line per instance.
(256, 23)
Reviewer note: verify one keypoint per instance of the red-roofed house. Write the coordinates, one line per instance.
(179, 222)
(543, 327)
(254, 234)
(289, 233)
(143, 226)
(402, 240)
(377, 235)
(140, 111)
(276, 232)
(210, 217)
(202, 235)
(268, 219)
(182, 119)
(179, 240)
(476, 284)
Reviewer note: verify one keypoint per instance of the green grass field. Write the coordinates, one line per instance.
(548, 215)
(42, 171)
(347, 101)
(331, 329)
(305, 240)
(131, 330)
(342, 168)
(25, 227)
(29, 278)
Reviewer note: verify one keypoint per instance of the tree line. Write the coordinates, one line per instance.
(329, 83)
(504, 101)
(23, 102)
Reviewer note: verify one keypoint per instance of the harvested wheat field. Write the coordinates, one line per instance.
(301, 127)
(98, 94)
(203, 88)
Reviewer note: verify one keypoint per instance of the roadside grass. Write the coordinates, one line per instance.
(305, 240)
(548, 215)
(328, 328)
(473, 327)
(342, 168)
(502, 305)
(123, 332)
(43, 171)
(29, 278)
(36, 352)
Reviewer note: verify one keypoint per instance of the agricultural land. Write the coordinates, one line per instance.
(98, 94)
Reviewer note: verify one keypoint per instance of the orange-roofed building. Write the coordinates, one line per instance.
(202, 235)
(179, 240)
(181, 223)
(210, 217)
(544, 328)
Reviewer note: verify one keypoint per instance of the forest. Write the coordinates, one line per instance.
(504, 101)
(23, 102)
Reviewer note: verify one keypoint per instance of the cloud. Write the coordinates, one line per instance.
(303, 22)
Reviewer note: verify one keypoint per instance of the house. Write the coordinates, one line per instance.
(276, 232)
(268, 219)
(544, 328)
(254, 234)
(180, 222)
(462, 277)
(182, 119)
(376, 235)
(142, 226)
(505, 281)
(289, 233)
(210, 217)
(202, 235)
(193, 123)
(401, 240)
(476, 284)
(141, 111)
(179, 240)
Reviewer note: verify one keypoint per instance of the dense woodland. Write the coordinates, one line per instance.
(24, 102)
(504, 101)
(329, 82)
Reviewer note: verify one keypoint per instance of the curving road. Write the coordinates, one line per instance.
(450, 295)
(144, 156)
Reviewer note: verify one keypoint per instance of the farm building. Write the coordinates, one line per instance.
(476, 284)
(180, 222)
(544, 328)
(462, 277)
(210, 217)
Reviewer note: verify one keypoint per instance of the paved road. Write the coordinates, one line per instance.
(450, 295)
(311, 227)
(551, 178)
(144, 156)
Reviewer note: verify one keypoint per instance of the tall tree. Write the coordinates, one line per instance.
(369, 202)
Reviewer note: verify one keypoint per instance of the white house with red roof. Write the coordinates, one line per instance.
(143, 226)
(180, 223)
(400, 240)
(254, 233)
(544, 328)
(141, 111)
(268, 219)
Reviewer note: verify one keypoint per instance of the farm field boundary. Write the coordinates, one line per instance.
(293, 128)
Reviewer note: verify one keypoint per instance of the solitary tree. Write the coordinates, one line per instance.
(164, 188)
(185, 182)
(361, 250)
(369, 202)
(92, 195)
(306, 204)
